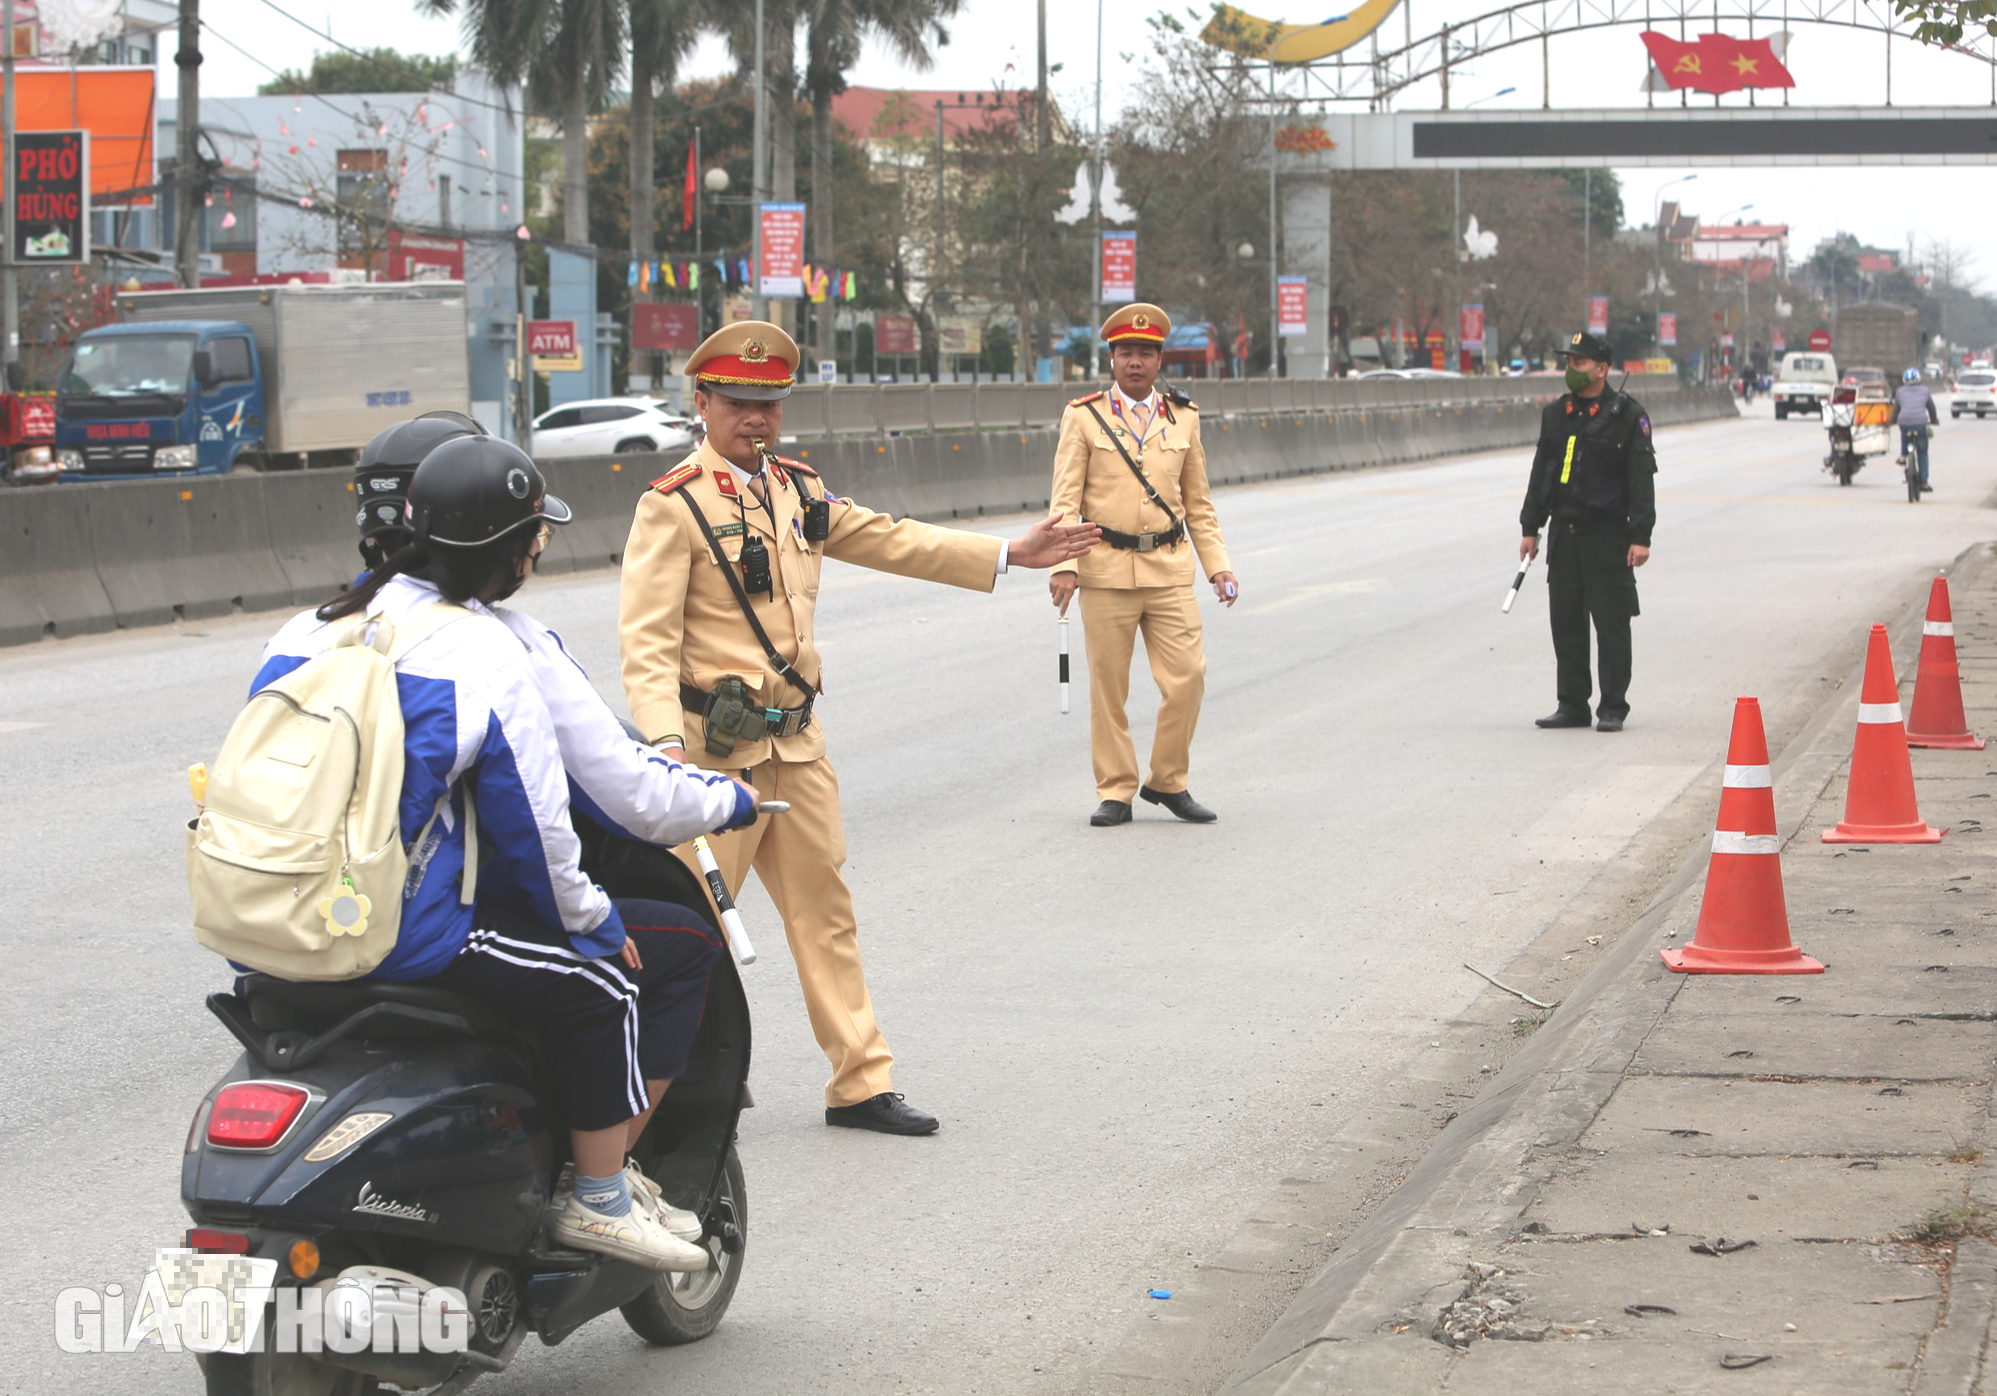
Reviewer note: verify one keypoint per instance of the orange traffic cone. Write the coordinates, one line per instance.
(1743, 921)
(1937, 719)
(1879, 802)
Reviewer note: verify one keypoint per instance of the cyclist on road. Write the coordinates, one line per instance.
(1914, 411)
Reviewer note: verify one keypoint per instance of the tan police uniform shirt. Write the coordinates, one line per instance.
(678, 620)
(1092, 482)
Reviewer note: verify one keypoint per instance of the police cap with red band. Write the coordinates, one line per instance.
(750, 359)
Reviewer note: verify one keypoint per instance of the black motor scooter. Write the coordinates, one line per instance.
(391, 1138)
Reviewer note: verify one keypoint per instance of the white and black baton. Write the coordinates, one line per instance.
(1525, 566)
(731, 919)
(1064, 661)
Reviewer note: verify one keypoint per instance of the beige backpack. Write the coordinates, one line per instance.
(296, 863)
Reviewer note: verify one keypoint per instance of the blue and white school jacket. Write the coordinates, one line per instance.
(493, 707)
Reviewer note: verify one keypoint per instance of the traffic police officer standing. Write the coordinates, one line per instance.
(1131, 460)
(1594, 478)
(720, 585)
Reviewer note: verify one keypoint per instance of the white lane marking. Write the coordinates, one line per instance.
(6, 727)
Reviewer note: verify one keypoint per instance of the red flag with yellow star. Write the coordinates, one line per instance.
(1716, 62)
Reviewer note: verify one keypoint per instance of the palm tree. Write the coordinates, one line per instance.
(566, 53)
(837, 28)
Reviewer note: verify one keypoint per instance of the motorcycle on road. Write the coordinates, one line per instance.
(392, 1144)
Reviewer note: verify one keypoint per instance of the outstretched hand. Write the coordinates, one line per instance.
(1050, 542)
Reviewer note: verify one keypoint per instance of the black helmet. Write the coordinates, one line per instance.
(473, 489)
(382, 475)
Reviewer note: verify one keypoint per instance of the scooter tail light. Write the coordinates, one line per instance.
(255, 1114)
(218, 1242)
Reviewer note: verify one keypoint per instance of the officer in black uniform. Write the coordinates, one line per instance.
(1593, 476)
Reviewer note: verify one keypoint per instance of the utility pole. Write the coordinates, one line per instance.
(188, 177)
(10, 287)
(1096, 198)
(523, 365)
(1275, 316)
(759, 172)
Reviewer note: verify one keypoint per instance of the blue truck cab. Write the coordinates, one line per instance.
(161, 397)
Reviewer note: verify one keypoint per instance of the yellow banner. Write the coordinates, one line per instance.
(1242, 33)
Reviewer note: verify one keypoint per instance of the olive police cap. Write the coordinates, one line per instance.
(1146, 324)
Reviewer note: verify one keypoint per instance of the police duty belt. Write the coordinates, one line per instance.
(776, 658)
(1138, 542)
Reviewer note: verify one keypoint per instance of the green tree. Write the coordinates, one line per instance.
(374, 70)
(567, 53)
(912, 30)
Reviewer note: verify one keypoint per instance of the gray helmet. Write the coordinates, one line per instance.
(383, 472)
(473, 489)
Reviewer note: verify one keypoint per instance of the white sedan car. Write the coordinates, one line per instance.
(607, 426)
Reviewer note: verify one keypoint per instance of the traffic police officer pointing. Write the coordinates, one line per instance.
(1131, 460)
(1593, 477)
(719, 591)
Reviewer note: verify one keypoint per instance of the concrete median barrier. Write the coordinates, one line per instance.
(185, 550)
(80, 558)
(48, 569)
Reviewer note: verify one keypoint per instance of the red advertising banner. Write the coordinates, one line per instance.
(1470, 326)
(666, 328)
(1598, 315)
(1778, 343)
(894, 334)
(413, 258)
(782, 272)
(1292, 317)
(1667, 328)
(1119, 267)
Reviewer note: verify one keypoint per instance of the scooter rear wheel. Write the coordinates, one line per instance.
(684, 1308)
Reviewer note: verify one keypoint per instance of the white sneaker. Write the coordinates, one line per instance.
(677, 1220)
(637, 1237)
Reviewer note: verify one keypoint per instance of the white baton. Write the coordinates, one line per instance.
(731, 919)
(1518, 581)
(1064, 662)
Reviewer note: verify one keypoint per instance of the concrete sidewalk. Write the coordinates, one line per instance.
(1695, 1183)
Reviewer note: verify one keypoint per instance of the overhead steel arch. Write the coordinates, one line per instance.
(1379, 76)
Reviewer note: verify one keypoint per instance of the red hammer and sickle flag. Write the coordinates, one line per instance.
(1716, 62)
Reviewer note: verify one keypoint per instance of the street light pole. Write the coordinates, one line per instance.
(10, 287)
(1275, 316)
(1096, 199)
(1657, 267)
(758, 173)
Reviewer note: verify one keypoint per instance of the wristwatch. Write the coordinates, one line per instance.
(670, 739)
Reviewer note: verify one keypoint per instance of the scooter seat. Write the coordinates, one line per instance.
(280, 1005)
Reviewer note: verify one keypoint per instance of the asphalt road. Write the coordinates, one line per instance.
(1132, 1034)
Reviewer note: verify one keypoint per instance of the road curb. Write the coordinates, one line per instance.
(1365, 1321)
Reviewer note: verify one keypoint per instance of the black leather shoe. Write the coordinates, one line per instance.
(886, 1113)
(1609, 724)
(1179, 802)
(1110, 813)
(1561, 718)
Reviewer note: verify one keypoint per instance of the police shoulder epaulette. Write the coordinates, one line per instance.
(799, 466)
(675, 477)
(1085, 401)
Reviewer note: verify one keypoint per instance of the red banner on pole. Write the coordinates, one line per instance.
(1598, 315)
(1470, 327)
(782, 272)
(1119, 267)
(664, 328)
(894, 334)
(1292, 315)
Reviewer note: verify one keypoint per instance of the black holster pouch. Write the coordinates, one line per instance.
(728, 713)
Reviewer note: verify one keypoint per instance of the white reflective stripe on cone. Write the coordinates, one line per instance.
(1725, 842)
(1879, 712)
(1938, 627)
(1747, 778)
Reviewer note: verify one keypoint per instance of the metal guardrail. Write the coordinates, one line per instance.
(821, 410)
